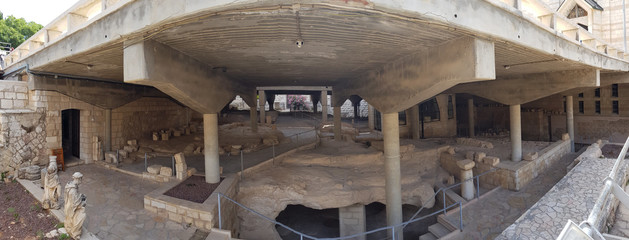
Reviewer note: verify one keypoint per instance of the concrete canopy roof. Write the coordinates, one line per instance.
(258, 47)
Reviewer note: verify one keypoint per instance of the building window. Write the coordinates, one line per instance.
(581, 107)
(450, 108)
(577, 12)
(430, 110)
(581, 95)
(597, 92)
(615, 107)
(597, 107)
(402, 117)
(614, 90)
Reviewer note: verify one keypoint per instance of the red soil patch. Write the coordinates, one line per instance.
(21, 215)
(193, 189)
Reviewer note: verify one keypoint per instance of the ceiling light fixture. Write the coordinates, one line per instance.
(300, 41)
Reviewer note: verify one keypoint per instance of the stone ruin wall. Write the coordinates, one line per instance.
(134, 120)
(140, 118)
(22, 139)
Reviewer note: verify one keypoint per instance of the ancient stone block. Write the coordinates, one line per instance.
(451, 150)
(478, 156)
(565, 137)
(111, 157)
(469, 155)
(165, 136)
(155, 136)
(493, 161)
(123, 153)
(166, 171)
(530, 156)
(130, 148)
(154, 169)
(465, 164)
(132, 142)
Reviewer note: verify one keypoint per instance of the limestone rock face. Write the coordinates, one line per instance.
(333, 175)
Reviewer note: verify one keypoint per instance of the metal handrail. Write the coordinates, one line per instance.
(392, 228)
(306, 236)
(589, 226)
(444, 189)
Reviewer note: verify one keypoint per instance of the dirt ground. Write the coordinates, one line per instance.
(21, 215)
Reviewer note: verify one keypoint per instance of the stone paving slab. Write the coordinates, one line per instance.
(572, 198)
(115, 206)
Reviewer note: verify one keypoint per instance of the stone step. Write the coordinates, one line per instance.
(444, 221)
(427, 236)
(438, 230)
(219, 234)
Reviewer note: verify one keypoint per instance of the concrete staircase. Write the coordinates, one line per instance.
(443, 229)
(219, 234)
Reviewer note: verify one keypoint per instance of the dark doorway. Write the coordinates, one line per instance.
(70, 132)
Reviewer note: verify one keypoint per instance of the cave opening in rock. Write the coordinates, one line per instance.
(325, 223)
(317, 223)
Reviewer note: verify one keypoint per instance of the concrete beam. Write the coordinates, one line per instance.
(97, 93)
(526, 88)
(420, 76)
(184, 78)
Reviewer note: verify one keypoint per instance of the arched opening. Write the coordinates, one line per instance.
(317, 223)
(325, 223)
(70, 133)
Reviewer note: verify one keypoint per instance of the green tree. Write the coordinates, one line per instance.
(16, 30)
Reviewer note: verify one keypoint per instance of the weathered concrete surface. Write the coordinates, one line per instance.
(154, 64)
(331, 176)
(423, 75)
(97, 93)
(526, 88)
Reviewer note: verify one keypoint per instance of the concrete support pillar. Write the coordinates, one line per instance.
(253, 114)
(262, 103)
(337, 123)
(210, 141)
(107, 130)
(393, 188)
(324, 106)
(516, 132)
(352, 220)
(414, 119)
(570, 120)
(467, 187)
(470, 114)
(371, 117)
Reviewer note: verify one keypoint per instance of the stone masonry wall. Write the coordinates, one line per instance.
(22, 139)
(143, 116)
(516, 176)
(131, 121)
(91, 121)
(13, 95)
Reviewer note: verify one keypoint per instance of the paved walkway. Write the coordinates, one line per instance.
(572, 198)
(115, 206)
(488, 217)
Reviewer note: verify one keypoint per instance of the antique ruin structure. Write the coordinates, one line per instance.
(411, 119)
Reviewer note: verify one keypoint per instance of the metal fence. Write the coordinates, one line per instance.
(392, 228)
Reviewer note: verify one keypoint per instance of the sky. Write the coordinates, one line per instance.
(39, 11)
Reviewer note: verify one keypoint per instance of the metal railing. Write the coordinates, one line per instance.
(443, 192)
(303, 236)
(590, 226)
(391, 228)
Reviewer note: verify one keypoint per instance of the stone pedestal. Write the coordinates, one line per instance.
(467, 187)
(352, 220)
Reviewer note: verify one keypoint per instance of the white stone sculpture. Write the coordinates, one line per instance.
(52, 186)
(74, 207)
